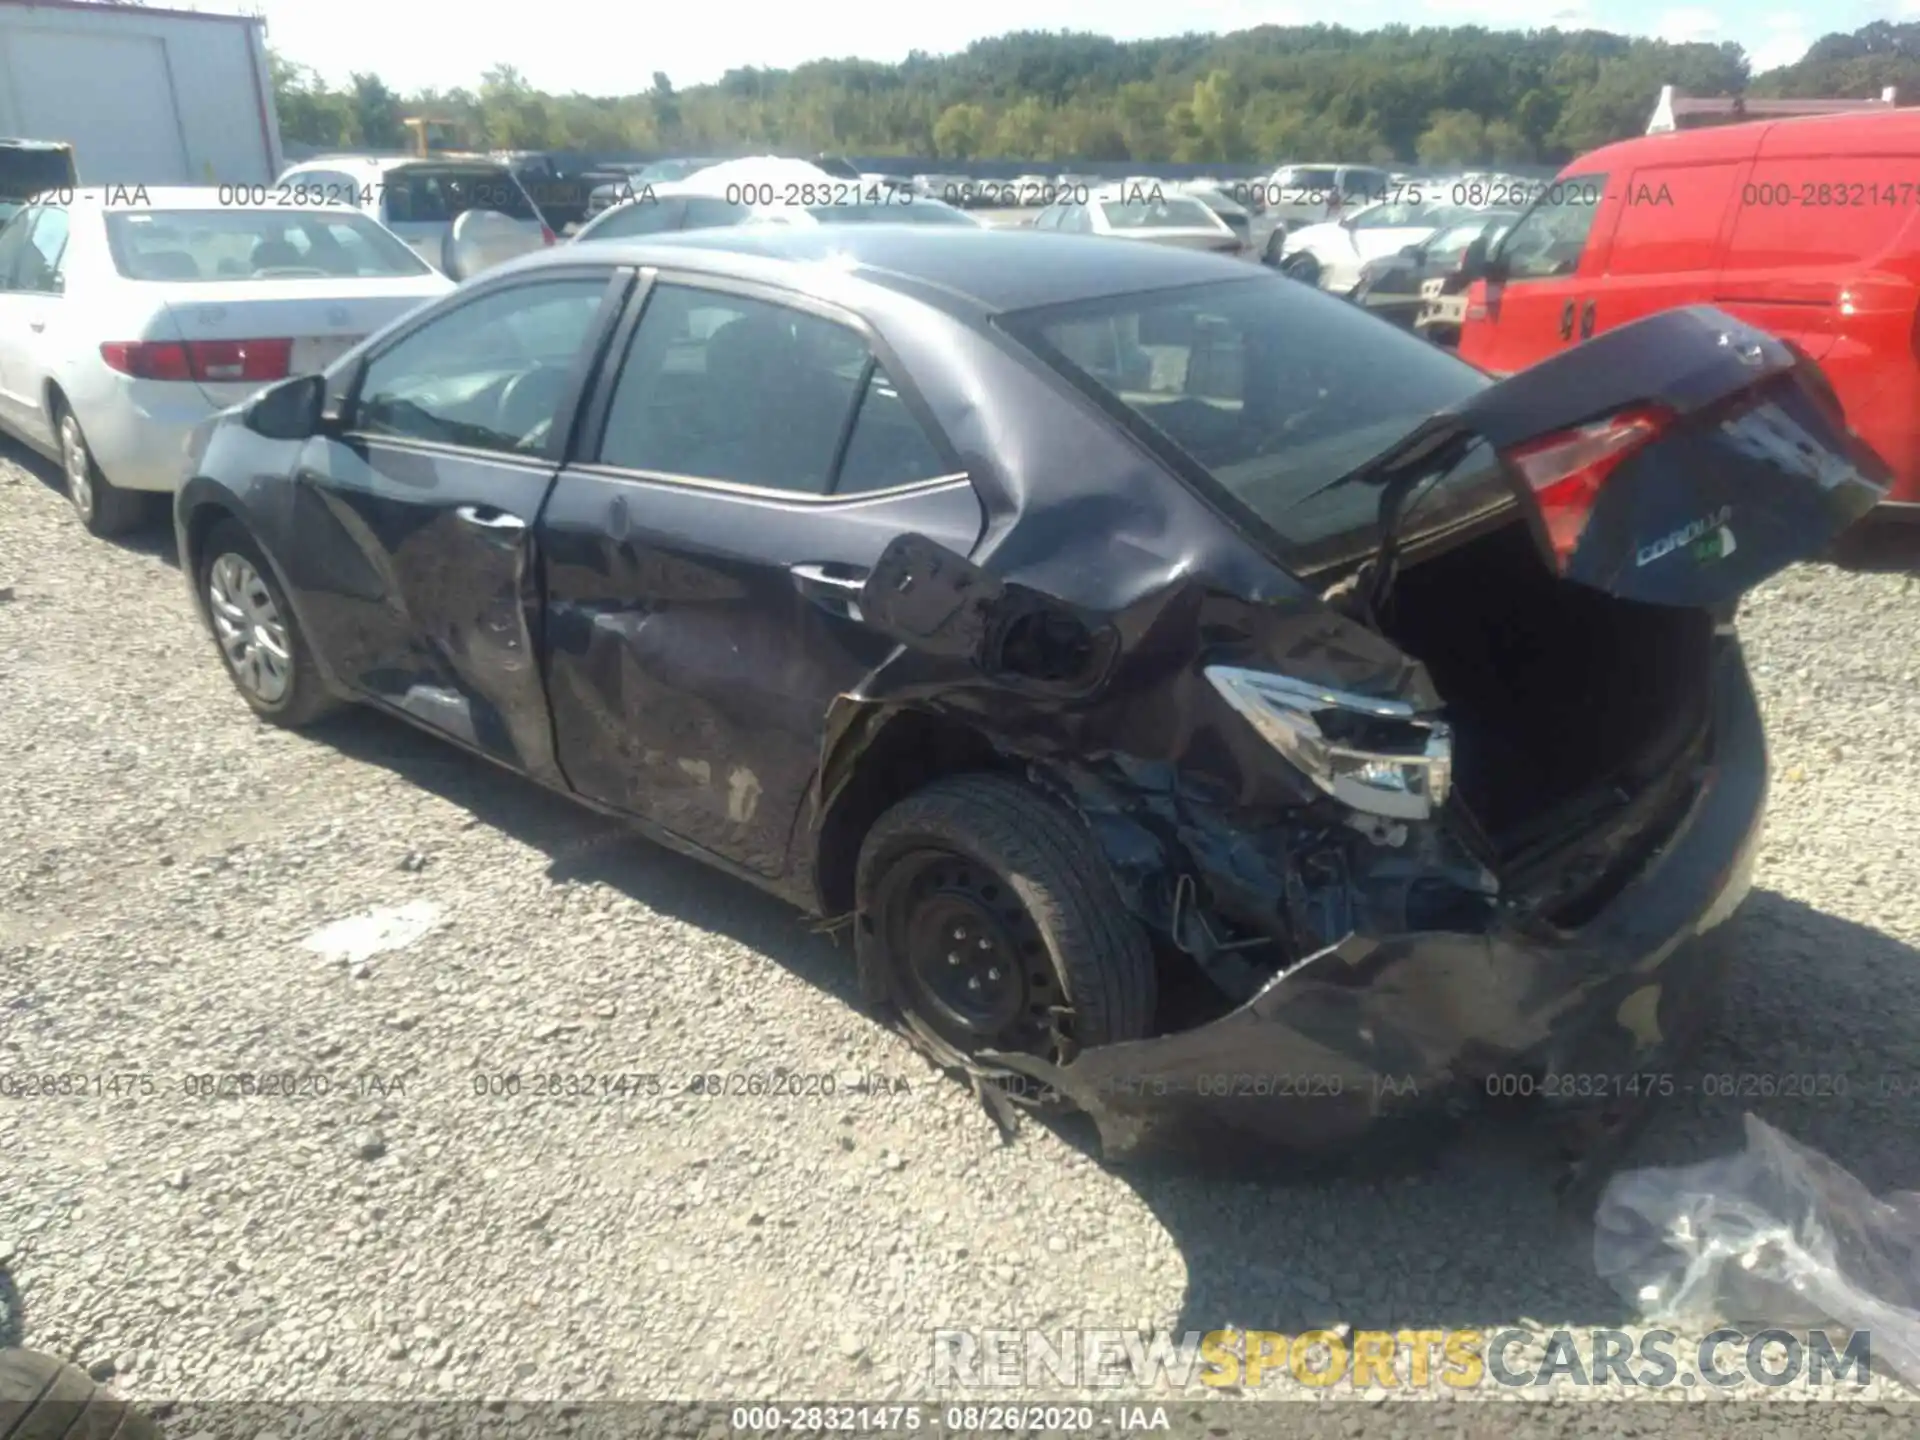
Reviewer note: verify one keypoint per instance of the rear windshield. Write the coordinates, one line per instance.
(254, 245)
(1271, 388)
(916, 212)
(441, 194)
(1168, 212)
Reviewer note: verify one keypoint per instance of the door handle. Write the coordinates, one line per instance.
(1586, 321)
(486, 517)
(831, 586)
(1566, 321)
(36, 326)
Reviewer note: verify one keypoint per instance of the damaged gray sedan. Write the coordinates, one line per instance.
(1208, 703)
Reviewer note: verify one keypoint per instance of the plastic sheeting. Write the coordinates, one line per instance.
(1777, 1235)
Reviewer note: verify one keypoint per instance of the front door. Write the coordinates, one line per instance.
(704, 558)
(419, 561)
(1533, 309)
(32, 289)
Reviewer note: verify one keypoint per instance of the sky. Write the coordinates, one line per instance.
(590, 46)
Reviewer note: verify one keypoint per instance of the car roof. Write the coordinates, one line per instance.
(991, 271)
(1818, 134)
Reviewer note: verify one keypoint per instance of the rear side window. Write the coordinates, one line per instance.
(1168, 212)
(707, 212)
(733, 388)
(1549, 239)
(640, 217)
(1835, 210)
(1671, 219)
(888, 447)
(441, 194)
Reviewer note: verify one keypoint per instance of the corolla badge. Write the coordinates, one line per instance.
(1707, 538)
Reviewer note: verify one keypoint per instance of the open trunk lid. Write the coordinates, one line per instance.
(1679, 460)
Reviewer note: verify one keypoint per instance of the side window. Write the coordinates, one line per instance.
(490, 374)
(13, 245)
(334, 187)
(1047, 219)
(1075, 219)
(641, 216)
(705, 212)
(888, 447)
(727, 387)
(1834, 210)
(1547, 241)
(39, 268)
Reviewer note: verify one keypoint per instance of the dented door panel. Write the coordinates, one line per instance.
(690, 670)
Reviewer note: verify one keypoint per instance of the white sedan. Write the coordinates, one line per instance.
(131, 314)
(1331, 254)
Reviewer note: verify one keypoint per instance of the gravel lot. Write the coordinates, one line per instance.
(163, 857)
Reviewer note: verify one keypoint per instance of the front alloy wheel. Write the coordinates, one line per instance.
(257, 630)
(248, 626)
(78, 464)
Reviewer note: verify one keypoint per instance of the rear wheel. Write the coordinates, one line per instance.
(994, 916)
(42, 1397)
(1303, 268)
(104, 509)
(260, 641)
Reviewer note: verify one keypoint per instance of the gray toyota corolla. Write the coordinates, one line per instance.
(1208, 704)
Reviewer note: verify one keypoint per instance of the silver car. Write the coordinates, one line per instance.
(1156, 214)
(420, 199)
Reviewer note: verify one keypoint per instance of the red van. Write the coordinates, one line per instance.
(1809, 228)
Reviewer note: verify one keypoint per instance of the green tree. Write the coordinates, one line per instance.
(961, 132)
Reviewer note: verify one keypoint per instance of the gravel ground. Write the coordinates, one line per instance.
(163, 858)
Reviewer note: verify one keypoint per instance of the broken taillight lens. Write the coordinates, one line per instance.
(1566, 470)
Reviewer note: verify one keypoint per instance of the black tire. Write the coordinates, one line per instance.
(1083, 961)
(306, 698)
(1303, 268)
(102, 507)
(42, 1397)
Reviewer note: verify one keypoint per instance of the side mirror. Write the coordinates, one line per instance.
(1410, 252)
(290, 410)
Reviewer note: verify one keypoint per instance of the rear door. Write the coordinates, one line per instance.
(1668, 244)
(1550, 256)
(745, 462)
(419, 519)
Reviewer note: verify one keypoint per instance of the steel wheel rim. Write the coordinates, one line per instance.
(971, 957)
(247, 623)
(78, 465)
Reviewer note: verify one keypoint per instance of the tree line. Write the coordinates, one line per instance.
(1428, 95)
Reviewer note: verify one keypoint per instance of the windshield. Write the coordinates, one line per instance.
(255, 245)
(663, 170)
(439, 195)
(1273, 389)
(914, 212)
(1163, 212)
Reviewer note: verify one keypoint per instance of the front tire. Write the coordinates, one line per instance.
(103, 508)
(256, 632)
(42, 1397)
(996, 921)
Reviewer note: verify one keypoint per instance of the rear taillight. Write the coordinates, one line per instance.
(211, 361)
(547, 237)
(1566, 470)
